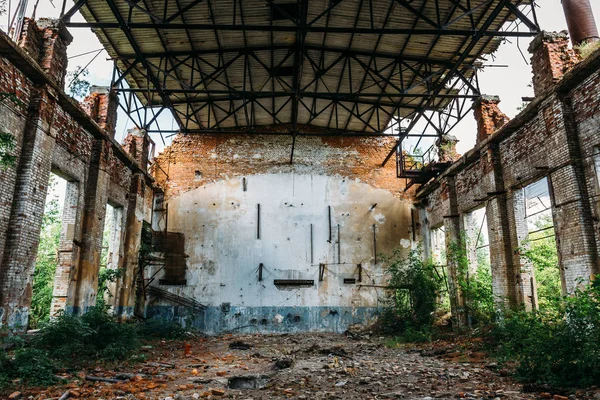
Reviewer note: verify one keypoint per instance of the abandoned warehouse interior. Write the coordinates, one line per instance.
(288, 181)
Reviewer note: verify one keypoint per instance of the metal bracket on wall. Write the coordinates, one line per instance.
(321, 272)
(329, 217)
(258, 221)
(339, 248)
(311, 245)
(294, 282)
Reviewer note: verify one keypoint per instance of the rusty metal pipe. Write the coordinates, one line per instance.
(580, 20)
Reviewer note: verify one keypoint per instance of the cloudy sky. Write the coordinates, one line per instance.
(510, 83)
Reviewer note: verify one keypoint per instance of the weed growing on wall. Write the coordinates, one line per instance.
(7, 145)
(412, 301)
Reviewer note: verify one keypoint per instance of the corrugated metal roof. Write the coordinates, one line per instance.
(354, 73)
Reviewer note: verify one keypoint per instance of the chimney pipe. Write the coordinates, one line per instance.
(580, 20)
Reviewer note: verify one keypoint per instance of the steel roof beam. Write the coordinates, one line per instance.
(309, 29)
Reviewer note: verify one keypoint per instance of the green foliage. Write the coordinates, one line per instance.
(106, 276)
(29, 366)
(46, 261)
(7, 145)
(33, 367)
(587, 48)
(557, 346)
(414, 289)
(96, 336)
(78, 87)
(474, 284)
(540, 251)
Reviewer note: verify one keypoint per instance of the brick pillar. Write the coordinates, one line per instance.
(27, 210)
(126, 294)
(68, 249)
(572, 212)
(498, 215)
(31, 39)
(137, 144)
(447, 148)
(101, 105)
(488, 116)
(82, 294)
(551, 58)
(53, 54)
(453, 239)
(525, 289)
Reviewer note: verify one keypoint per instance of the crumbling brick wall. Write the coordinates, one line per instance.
(556, 138)
(52, 133)
(195, 160)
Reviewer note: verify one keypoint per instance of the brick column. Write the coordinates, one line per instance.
(498, 215)
(53, 54)
(447, 148)
(572, 212)
(101, 104)
(82, 294)
(23, 234)
(551, 58)
(137, 144)
(46, 42)
(488, 116)
(525, 289)
(126, 292)
(453, 238)
(68, 249)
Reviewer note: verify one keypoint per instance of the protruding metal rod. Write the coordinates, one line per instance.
(311, 244)
(258, 221)
(339, 245)
(580, 20)
(329, 217)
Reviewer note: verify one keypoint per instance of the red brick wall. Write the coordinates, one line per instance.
(195, 160)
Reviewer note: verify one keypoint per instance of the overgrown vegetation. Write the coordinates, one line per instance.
(556, 346)
(414, 290)
(92, 338)
(587, 48)
(540, 251)
(7, 145)
(474, 283)
(47, 260)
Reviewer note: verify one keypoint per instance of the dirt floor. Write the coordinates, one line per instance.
(297, 366)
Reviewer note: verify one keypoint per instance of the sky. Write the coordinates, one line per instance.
(511, 83)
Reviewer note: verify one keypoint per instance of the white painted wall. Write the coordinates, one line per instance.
(220, 225)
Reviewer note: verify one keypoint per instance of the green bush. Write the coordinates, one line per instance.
(29, 366)
(414, 290)
(475, 286)
(96, 335)
(558, 347)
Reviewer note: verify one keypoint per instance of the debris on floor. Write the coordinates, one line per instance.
(303, 366)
